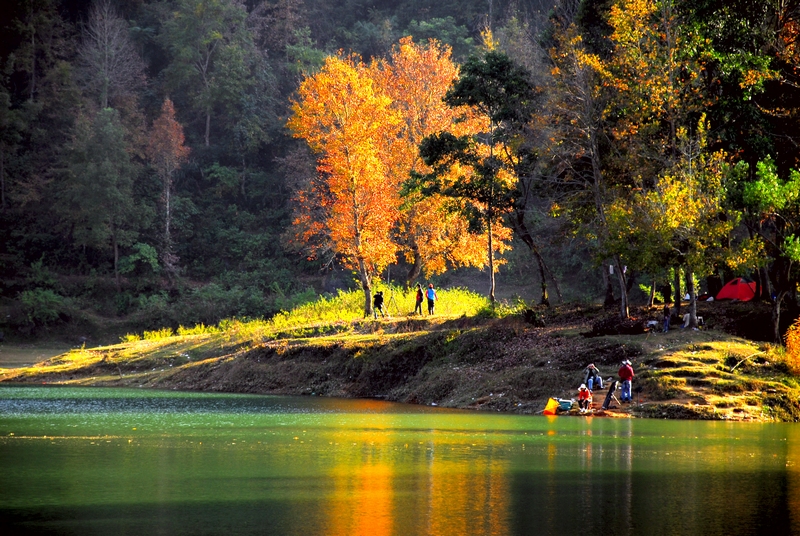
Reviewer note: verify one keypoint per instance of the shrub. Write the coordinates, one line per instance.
(792, 354)
(158, 334)
(199, 329)
(42, 306)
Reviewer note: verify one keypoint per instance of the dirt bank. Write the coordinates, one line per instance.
(504, 365)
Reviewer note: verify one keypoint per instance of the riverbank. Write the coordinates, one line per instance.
(507, 365)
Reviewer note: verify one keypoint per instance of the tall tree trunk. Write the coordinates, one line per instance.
(776, 317)
(491, 264)
(652, 298)
(545, 299)
(167, 216)
(766, 294)
(116, 257)
(623, 298)
(244, 178)
(33, 56)
(609, 299)
(678, 297)
(597, 180)
(104, 94)
(2, 178)
(366, 285)
(521, 230)
(168, 258)
(692, 299)
(416, 267)
(208, 128)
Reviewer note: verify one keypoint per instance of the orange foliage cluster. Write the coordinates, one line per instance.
(793, 348)
(166, 144)
(348, 120)
(366, 123)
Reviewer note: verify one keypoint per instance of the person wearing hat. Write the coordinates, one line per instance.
(592, 377)
(584, 398)
(626, 375)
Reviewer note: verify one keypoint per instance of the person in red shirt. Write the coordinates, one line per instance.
(626, 375)
(584, 398)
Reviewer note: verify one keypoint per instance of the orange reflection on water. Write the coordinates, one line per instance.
(468, 490)
(362, 501)
(459, 489)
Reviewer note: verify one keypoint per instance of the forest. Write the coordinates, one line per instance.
(179, 162)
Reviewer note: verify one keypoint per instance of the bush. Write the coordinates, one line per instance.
(792, 355)
(158, 334)
(42, 306)
(154, 310)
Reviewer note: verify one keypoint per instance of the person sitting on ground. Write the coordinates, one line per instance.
(686, 319)
(377, 304)
(592, 377)
(626, 375)
(584, 398)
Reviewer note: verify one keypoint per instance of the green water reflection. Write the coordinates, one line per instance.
(113, 461)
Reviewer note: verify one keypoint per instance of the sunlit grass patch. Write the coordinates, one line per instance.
(199, 329)
(663, 387)
(158, 334)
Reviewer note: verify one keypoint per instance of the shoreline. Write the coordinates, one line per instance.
(499, 365)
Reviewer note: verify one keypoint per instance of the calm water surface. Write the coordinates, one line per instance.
(90, 461)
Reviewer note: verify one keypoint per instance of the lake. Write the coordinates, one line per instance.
(89, 461)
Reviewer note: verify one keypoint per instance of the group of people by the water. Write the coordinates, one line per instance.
(429, 294)
(592, 380)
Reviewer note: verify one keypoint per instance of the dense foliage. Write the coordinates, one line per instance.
(147, 171)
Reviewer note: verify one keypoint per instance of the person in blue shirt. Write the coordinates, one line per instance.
(431, 295)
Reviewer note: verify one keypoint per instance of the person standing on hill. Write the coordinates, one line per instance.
(666, 317)
(626, 375)
(377, 304)
(431, 295)
(418, 306)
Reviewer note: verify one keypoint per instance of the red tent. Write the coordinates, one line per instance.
(738, 289)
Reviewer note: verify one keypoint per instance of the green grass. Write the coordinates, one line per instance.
(331, 314)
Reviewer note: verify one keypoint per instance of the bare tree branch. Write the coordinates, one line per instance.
(108, 63)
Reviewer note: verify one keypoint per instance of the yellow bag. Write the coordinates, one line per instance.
(551, 407)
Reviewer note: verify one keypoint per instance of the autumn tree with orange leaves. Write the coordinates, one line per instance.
(431, 238)
(166, 151)
(353, 204)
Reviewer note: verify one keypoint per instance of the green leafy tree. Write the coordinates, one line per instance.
(96, 200)
(12, 128)
(209, 42)
(497, 164)
(682, 221)
(777, 201)
(580, 147)
(444, 30)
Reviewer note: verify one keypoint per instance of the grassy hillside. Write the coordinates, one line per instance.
(512, 360)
